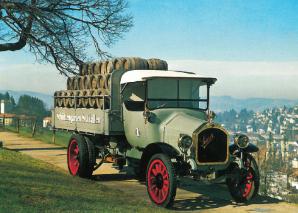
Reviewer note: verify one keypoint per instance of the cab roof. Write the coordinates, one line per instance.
(143, 75)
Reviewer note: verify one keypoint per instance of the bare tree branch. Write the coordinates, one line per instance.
(61, 31)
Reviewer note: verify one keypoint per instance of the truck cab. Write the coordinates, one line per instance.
(161, 106)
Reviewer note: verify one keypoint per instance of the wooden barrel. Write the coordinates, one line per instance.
(165, 65)
(90, 69)
(145, 64)
(103, 67)
(84, 69)
(56, 98)
(97, 97)
(70, 99)
(156, 64)
(140, 64)
(76, 83)
(102, 82)
(81, 83)
(110, 66)
(91, 99)
(107, 84)
(87, 82)
(62, 99)
(59, 99)
(127, 64)
(152, 64)
(95, 81)
(65, 98)
(76, 94)
(81, 99)
(80, 69)
(119, 63)
(69, 83)
(87, 99)
(96, 68)
(67, 101)
(161, 64)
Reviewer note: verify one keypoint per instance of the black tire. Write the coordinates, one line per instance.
(91, 154)
(78, 157)
(242, 193)
(162, 185)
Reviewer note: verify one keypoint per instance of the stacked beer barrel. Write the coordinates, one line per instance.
(92, 87)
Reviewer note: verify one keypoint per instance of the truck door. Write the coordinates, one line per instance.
(133, 104)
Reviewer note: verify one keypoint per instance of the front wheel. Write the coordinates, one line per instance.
(161, 180)
(244, 183)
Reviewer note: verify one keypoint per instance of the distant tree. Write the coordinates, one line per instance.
(228, 118)
(31, 106)
(59, 31)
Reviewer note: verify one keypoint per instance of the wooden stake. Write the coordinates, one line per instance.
(54, 137)
(3, 120)
(34, 129)
(18, 125)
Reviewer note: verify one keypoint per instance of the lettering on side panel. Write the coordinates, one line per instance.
(91, 118)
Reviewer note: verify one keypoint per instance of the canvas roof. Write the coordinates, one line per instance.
(142, 75)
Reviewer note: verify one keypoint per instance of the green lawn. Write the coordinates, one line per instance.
(43, 134)
(30, 185)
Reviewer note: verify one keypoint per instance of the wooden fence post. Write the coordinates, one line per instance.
(18, 125)
(34, 129)
(54, 136)
(3, 120)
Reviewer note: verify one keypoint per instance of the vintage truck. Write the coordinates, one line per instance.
(159, 124)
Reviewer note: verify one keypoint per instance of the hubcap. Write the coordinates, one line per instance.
(73, 155)
(244, 182)
(158, 181)
(247, 185)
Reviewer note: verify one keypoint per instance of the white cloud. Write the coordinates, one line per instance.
(31, 77)
(237, 79)
(246, 79)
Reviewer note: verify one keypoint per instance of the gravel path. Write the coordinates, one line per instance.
(191, 196)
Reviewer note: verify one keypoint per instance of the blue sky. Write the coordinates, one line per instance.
(213, 30)
(242, 43)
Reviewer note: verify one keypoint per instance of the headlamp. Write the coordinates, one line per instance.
(184, 142)
(241, 140)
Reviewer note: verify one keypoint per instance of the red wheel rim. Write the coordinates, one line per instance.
(73, 155)
(247, 185)
(158, 181)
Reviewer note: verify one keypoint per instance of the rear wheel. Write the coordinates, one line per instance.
(244, 184)
(91, 154)
(78, 157)
(161, 180)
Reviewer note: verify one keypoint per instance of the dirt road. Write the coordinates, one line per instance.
(191, 196)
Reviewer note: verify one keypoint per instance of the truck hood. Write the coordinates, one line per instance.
(180, 123)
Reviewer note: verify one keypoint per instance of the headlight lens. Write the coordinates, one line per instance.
(241, 140)
(185, 142)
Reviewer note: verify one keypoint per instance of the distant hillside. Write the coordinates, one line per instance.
(224, 103)
(47, 99)
(218, 103)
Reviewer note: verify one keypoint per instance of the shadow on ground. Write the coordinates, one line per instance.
(192, 196)
(38, 149)
(211, 196)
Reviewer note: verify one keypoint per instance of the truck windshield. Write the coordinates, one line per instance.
(176, 93)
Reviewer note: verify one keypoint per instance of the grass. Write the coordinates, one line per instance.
(44, 135)
(30, 185)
